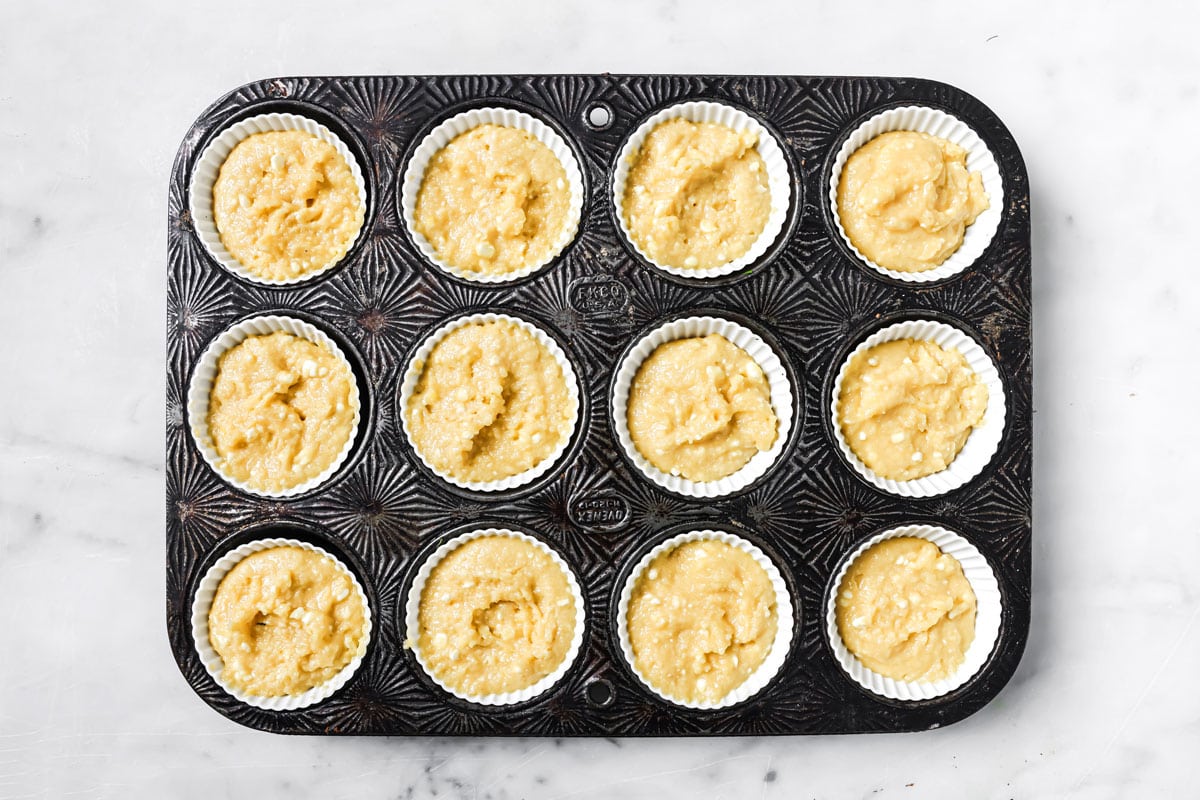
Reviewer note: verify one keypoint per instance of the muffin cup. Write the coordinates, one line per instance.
(779, 179)
(785, 614)
(978, 234)
(416, 365)
(212, 662)
(983, 440)
(442, 135)
(987, 617)
(413, 629)
(208, 166)
(757, 349)
(206, 372)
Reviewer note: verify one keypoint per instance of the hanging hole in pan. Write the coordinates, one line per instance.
(599, 116)
(600, 693)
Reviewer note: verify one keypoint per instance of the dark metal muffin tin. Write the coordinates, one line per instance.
(383, 512)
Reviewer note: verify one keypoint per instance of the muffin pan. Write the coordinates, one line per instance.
(808, 296)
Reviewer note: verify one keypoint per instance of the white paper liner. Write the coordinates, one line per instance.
(412, 627)
(784, 610)
(987, 617)
(412, 374)
(757, 349)
(208, 166)
(983, 440)
(206, 372)
(978, 234)
(779, 179)
(443, 134)
(211, 660)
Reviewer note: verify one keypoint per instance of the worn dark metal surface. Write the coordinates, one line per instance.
(382, 513)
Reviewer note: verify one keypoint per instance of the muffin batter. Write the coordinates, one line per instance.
(905, 199)
(280, 411)
(907, 407)
(700, 408)
(493, 200)
(696, 196)
(701, 619)
(286, 204)
(491, 402)
(496, 615)
(906, 610)
(285, 620)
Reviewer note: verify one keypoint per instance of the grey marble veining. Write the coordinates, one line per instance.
(93, 100)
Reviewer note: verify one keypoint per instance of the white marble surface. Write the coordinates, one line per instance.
(93, 101)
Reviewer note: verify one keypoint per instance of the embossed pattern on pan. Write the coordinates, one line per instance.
(382, 514)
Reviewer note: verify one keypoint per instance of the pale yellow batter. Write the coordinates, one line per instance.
(907, 407)
(702, 618)
(696, 196)
(906, 610)
(496, 615)
(280, 411)
(491, 402)
(700, 408)
(286, 204)
(493, 200)
(905, 199)
(284, 621)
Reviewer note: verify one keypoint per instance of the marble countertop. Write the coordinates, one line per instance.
(93, 101)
